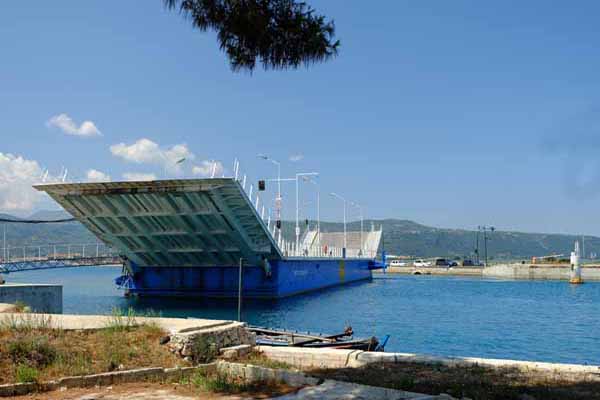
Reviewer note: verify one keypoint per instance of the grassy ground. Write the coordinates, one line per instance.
(472, 382)
(259, 359)
(31, 351)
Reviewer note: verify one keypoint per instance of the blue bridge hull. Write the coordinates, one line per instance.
(288, 277)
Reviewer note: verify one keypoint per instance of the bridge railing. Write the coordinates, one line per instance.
(60, 251)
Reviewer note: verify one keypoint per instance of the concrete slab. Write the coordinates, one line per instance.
(39, 297)
(84, 322)
(306, 358)
(336, 390)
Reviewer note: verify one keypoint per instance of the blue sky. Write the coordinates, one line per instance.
(452, 114)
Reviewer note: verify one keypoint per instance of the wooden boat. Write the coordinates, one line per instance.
(344, 340)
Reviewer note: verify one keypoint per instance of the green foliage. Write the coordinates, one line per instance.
(121, 320)
(279, 33)
(26, 374)
(25, 323)
(32, 351)
(217, 382)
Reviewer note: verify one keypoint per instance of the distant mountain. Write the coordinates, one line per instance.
(401, 237)
(404, 237)
(39, 234)
(50, 215)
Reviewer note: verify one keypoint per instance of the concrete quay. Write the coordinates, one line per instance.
(540, 271)
(503, 271)
(305, 358)
(38, 297)
(459, 271)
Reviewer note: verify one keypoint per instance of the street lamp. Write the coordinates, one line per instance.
(302, 174)
(360, 209)
(485, 230)
(308, 179)
(344, 201)
(278, 198)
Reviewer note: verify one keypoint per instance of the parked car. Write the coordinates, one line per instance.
(422, 263)
(442, 262)
(397, 263)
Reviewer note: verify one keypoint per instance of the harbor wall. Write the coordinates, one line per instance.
(541, 271)
(40, 298)
(461, 271)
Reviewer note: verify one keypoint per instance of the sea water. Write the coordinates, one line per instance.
(456, 316)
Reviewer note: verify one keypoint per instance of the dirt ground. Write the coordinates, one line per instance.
(149, 391)
(473, 382)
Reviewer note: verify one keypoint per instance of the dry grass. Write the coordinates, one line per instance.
(256, 358)
(35, 352)
(473, 382)
(220, 383)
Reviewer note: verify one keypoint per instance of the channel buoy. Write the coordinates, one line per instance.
(575, 278)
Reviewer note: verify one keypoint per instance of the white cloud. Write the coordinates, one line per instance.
(17, 175)
(296, 157)
(145, 151)
(93, 175)
(205, 168)
(138, 176)
(68, 126)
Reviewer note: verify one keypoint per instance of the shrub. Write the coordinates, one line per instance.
(216, 382)
(121, 321)
(26, 374)
(35, 351)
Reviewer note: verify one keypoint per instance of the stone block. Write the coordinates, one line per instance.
(234, 352)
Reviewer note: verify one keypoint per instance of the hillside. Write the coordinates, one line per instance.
(401, 237)
(404, 237)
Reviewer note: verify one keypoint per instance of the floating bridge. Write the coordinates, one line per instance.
(188, 236)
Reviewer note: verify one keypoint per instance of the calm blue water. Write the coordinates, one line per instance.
(528, 320)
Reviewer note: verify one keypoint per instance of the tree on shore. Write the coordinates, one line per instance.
(279, 34)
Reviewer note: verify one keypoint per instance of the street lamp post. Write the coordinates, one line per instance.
(345, 238)
(298, 176)
(485, 230)
(278, 199)
(360, 209)
(307, 179)
(296, 179)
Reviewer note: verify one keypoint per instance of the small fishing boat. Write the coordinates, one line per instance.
(344, 340)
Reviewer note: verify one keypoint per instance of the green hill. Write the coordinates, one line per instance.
(401, 237)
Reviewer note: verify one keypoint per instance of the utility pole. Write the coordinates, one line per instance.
(485, 230)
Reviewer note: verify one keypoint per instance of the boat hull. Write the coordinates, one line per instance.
(287, 277)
